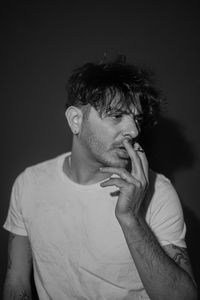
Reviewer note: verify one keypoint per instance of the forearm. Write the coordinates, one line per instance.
(16, 290)
(161, 276)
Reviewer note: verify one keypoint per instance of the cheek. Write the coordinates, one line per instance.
(106, 134)
(101, 138)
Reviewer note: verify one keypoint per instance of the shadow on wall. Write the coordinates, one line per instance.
(169, 151)
(167, 148)
(192, 239)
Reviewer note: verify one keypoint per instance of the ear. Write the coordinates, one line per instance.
(74, 117)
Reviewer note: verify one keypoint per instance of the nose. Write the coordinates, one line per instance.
(130, 129)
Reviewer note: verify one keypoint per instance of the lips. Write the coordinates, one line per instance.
(121, 147)
(121, 151)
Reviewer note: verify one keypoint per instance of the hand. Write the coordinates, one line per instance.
(132, 186)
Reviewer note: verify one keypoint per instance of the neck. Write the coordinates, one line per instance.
(82, 169)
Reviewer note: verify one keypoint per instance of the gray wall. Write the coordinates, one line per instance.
(42, 41)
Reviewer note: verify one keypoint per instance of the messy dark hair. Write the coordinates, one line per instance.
(115, 85)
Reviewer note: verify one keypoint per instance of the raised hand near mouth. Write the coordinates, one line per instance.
(132, 186)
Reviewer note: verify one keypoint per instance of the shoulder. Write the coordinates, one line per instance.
(162, 190)
(44, 170)
(40, 174)
(165, 214)
(164, 201)
(47, 165)
(159, 181)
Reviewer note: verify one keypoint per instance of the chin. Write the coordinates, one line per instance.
(116, 162)
(122, 163)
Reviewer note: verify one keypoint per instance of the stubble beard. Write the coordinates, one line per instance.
(99, 151)
(104, 155)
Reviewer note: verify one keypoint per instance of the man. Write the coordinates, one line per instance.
(97, 222)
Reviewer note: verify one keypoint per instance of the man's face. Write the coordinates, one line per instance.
(101, 138)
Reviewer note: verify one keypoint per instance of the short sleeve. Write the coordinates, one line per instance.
(166, 215)
(14, 221)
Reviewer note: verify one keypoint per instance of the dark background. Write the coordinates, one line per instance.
(41, 42)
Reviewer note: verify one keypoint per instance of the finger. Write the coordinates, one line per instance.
(114, 181)
(129, 148)
(144, 162)
(137, 169)
(123, 173)
(138, 148)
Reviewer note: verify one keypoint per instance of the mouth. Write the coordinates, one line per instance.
(121, 151)
(121, 148)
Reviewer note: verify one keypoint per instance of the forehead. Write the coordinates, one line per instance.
(119, 103)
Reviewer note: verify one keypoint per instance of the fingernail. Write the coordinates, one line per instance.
(136, 146)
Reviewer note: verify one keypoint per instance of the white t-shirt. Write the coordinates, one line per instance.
(79, 250)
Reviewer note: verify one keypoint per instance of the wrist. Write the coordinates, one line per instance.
(136, 231)
(130, 220)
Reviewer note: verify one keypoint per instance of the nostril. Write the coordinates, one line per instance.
(131, 140)
(128, 137)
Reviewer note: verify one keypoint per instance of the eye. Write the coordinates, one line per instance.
(117, 116)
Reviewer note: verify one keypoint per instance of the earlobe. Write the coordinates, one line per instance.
(74, 117)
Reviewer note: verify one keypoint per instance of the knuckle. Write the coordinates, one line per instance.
(139, 185)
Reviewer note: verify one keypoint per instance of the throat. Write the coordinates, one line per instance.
(82, 172)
